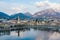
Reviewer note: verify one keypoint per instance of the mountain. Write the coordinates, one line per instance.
(4, 15)
(21, 15)
(28, 14)
(47, 13)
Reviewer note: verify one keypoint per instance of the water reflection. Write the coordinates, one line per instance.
(29, 35)
(55, 36)
(4, 33)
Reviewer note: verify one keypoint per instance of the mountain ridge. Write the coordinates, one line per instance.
(40, 14)
(47, 13)
(4, 15)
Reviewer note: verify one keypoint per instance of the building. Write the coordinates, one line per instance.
(18, 20)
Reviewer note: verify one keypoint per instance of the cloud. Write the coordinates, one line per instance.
(10, 8)
(42, 4)
(15, 7)
(47, 4)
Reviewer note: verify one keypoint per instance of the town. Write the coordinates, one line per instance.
(41, 21)
(4, 23)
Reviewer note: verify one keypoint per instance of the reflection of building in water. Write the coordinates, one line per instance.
(5, 33)
(17, 33)
(20, 33)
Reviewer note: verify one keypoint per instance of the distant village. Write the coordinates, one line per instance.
(6, 23)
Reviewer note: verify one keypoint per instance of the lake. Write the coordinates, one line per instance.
(31, 34)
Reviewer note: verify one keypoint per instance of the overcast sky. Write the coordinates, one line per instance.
(32, 6)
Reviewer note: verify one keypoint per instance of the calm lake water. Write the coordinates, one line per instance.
(29, 35)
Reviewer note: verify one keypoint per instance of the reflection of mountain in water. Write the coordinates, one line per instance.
(30, 35)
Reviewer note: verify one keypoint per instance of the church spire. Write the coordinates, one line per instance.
(18, 20)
